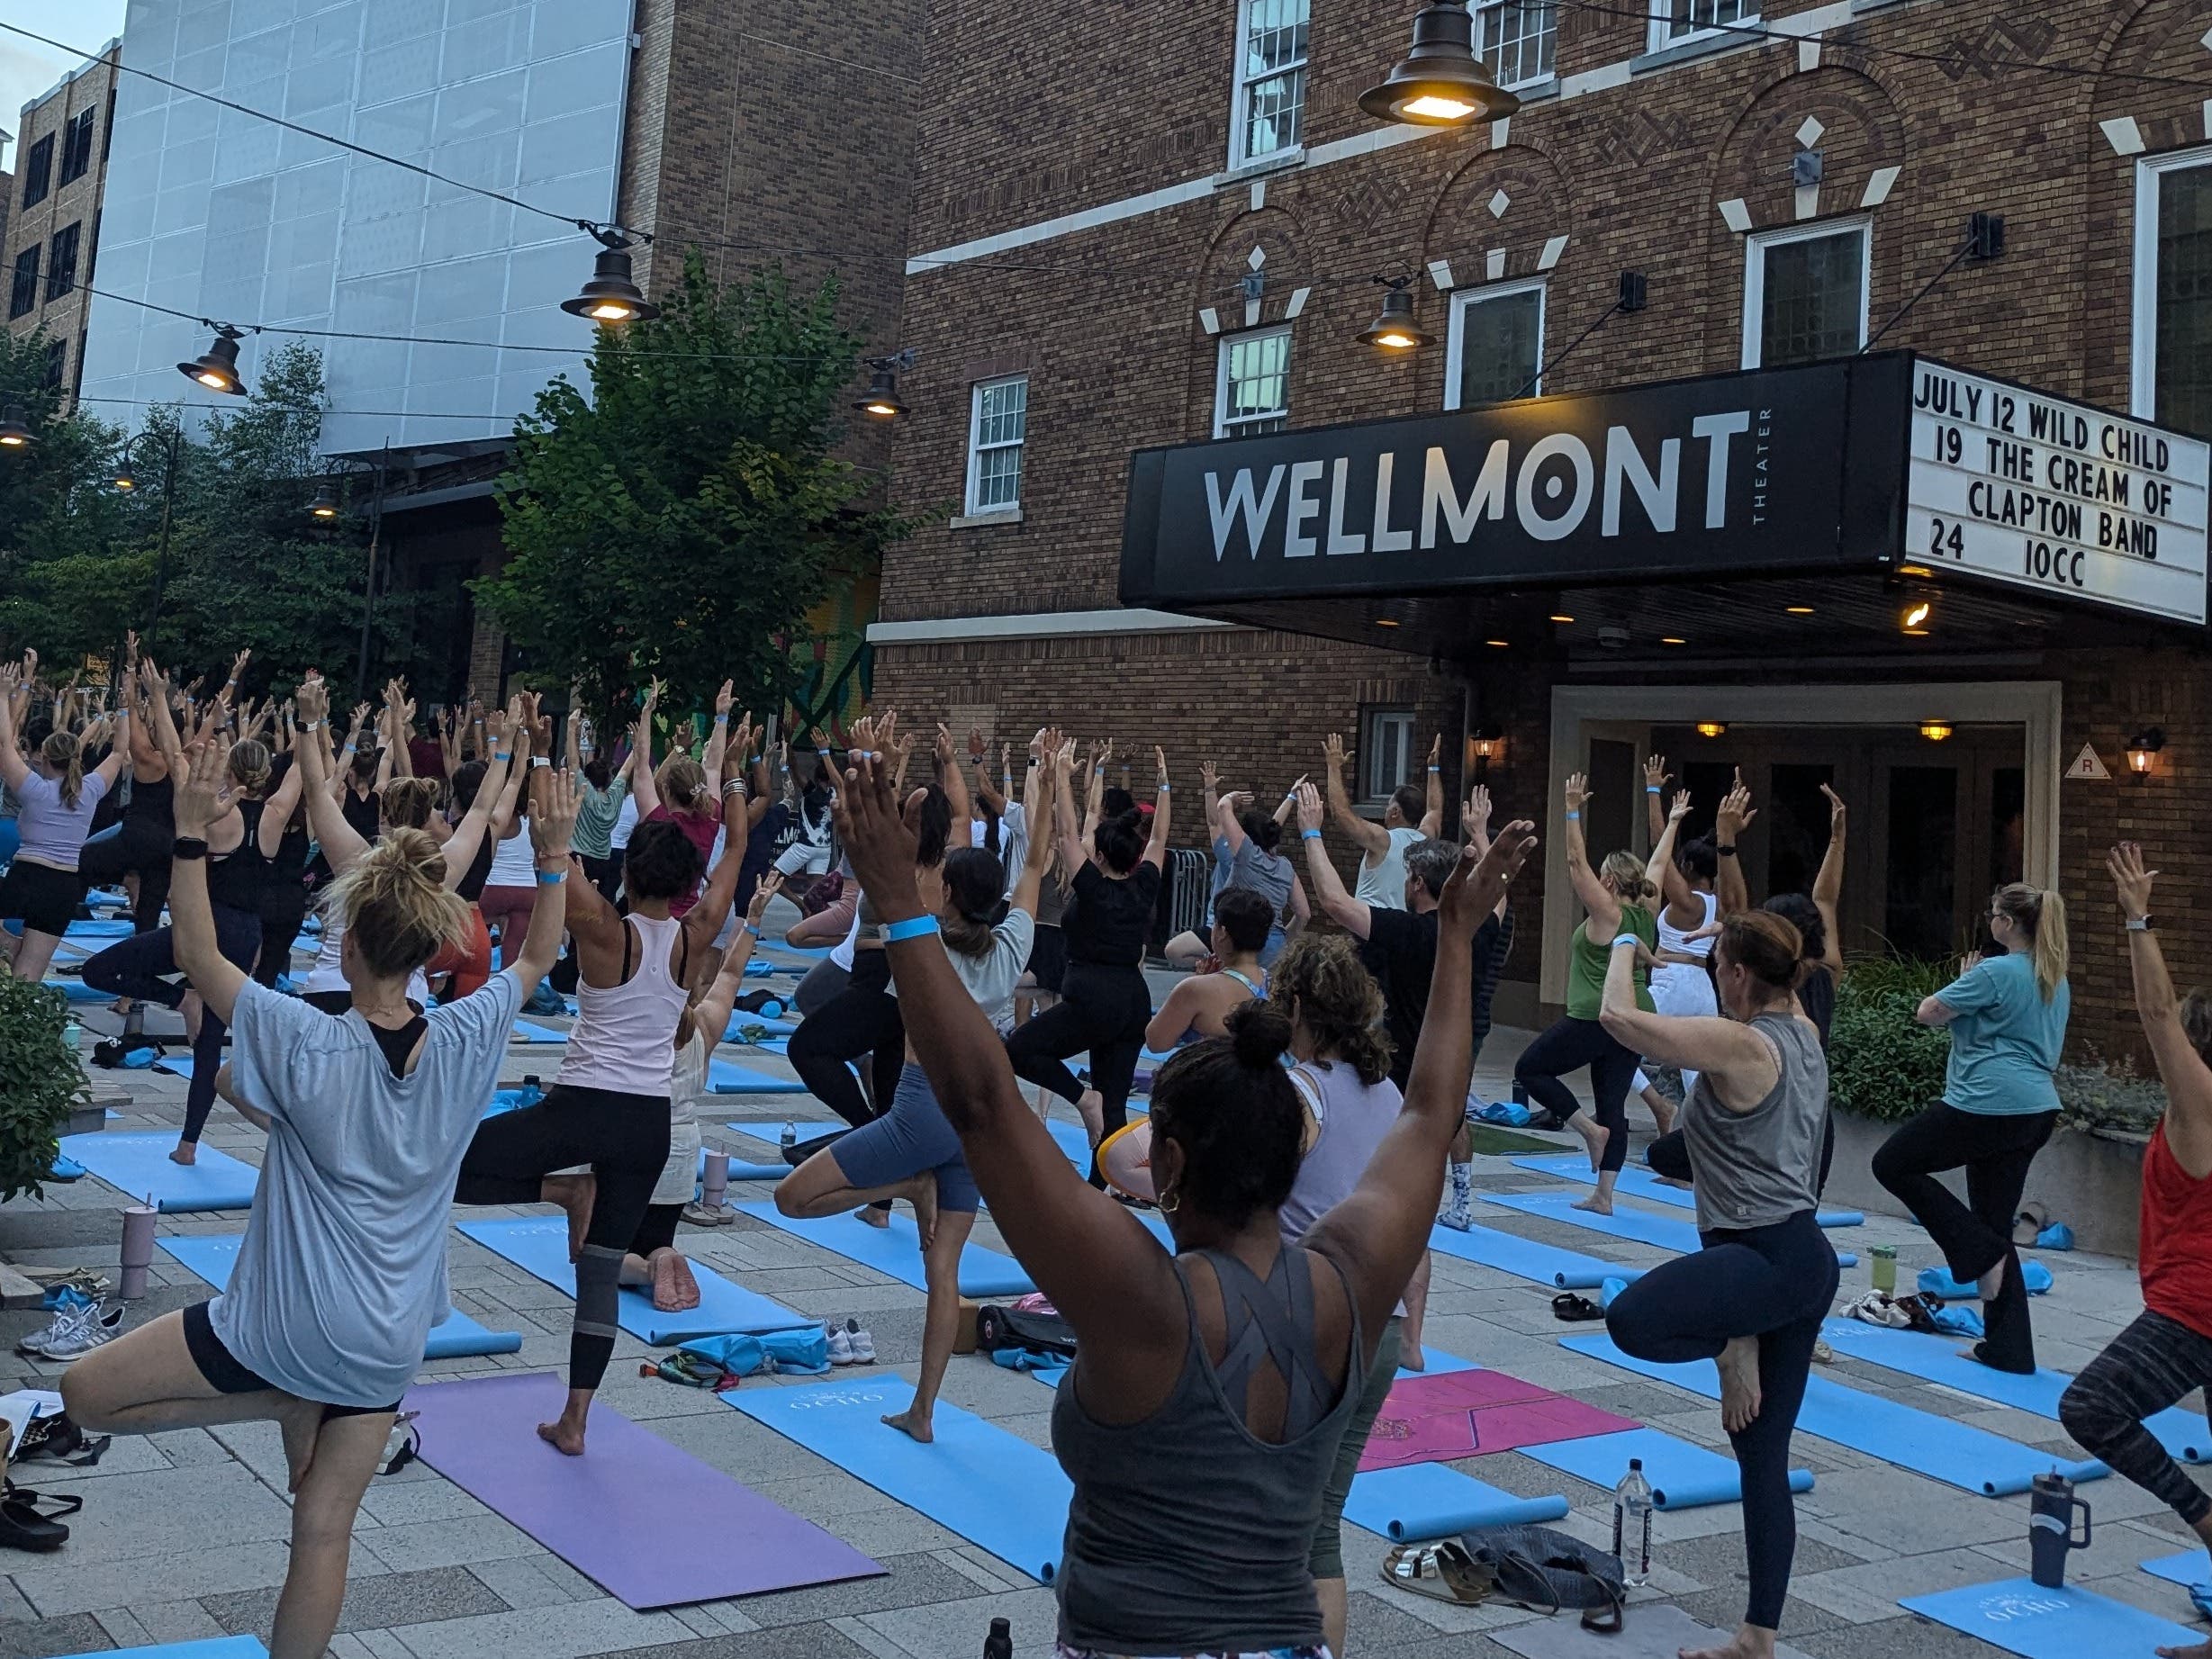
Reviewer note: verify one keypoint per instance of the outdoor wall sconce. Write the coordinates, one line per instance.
(1934, 731)
(2142, 746)
(1486, 745)
(1712, 728)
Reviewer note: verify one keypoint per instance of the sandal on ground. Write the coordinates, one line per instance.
(25, 1525)
(1574, 1309)
(1443, 1571)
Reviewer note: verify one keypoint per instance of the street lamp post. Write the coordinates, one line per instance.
(326, 507)
(172, 445)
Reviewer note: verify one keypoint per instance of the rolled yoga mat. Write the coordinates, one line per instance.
(76, 991)
(1940, 1447)
(896, 1250)
(1642, 1184)
(2021, 1617)
(1002, 1494)
(139, 1164)
(1683, 1475)
(651, 1525)
(539, 1247)
(1940, 1359)
(1430, 1500)
(109, 928)
(212, 1256)
(1638, 1226)
(1542, 1264)
(727, 1077)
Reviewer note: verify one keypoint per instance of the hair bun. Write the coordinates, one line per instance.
(1262, 1033)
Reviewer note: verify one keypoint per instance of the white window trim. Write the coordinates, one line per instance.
(1482, 47)
(1464, 300)
(1368, 717)
(976, 447)
(2142, 396)
(1221, 373)
(1284, 155)
(1658, 40)
(1754, 273)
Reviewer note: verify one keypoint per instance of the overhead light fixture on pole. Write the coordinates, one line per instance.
(15, 434)
(612, 295)
(1395, 330)
(216, 368)
(883, 401)
(1440, 82)
(325, 504)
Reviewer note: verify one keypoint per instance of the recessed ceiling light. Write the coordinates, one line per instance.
(1563, 618)
(1914, 570)
(1502, 644)
(1384, 622)
(1800, 611)
(1670, 640)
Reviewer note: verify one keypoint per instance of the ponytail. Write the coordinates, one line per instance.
(65, 754)
(2041, 914)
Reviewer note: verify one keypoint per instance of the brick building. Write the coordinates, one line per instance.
(52, 226)
(1191, 257)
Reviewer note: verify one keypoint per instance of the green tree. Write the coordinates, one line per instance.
(689, 510)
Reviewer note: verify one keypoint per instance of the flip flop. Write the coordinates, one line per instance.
(1442, 1572)
(24, 1526)
(1574, 1309)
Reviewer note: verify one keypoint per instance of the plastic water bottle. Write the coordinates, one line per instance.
(791, 1136)
(999, 1643)
(1632, 1523)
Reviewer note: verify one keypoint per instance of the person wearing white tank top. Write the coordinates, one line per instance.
(608, 1107)
(1682, 979)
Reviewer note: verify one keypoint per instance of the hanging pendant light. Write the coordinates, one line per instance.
(325, 504)
(216, 368)
(13, 433)
(882, 400)
(1395, 330)
(612, 295)
(125, 479)
(1441, 82)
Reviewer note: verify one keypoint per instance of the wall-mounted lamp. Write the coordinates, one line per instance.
(1934, 731)
(2142, 746)
(1916, 616)
(1484, 744)
(1712, 728)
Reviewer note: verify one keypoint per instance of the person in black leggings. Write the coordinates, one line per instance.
(144, 966)
(1104, 1004)
(140, 847)
(1751, 1300)
(284, 898)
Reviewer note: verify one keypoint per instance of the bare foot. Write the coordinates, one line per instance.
(2201, 1650)
(1739, 1396)
(674, 1290)
(1595, 1137)
(575, 1194)
(186, 1153)
(300, 1422)
(922, 1194)
(1412, 1357)
(913, 1424)
(563, 1436)
(190, 1008)
(1596, 1204)
(1091, 1109)
(1662, 1112)
(875, 1215)
(1992, 1283)
(1675, 1180)
(1750, 1642)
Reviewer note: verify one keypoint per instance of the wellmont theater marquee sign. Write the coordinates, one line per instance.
(1836, 468)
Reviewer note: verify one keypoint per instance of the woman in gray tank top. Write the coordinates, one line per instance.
(1213, 1386)
(1753, 1299)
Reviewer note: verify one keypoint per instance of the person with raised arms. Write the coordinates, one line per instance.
(1212, 1386)
(1409, 816)
(341, 1273)
(56, 798)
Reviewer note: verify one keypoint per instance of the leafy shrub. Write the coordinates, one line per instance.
(2108, 1095)
(1880, 1064)
(40, 1082)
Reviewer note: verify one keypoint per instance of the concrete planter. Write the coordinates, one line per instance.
(2091, 1182)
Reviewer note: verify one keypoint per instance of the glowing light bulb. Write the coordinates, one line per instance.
(1433, 106)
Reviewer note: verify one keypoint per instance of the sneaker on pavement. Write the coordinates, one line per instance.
(94, 1330)
(862, 1345)
(840, 1344)
(1459, 1213)
(70, 1307)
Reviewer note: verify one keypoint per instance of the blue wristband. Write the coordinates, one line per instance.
(1621, 939)
(1651, 789)
(551, 878)
(1310, 835)
(1573, 817)
(913, 927)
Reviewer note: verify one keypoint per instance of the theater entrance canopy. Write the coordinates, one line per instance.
(1888, 504)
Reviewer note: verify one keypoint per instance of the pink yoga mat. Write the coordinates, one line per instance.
(651, 1524)
(1466, 1413)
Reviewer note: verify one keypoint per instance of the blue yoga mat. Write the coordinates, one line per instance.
(1940, 1447)
(539, 1247)
(75, 990)
(1642, 1184)
(747, 1169)
(104, 927)
(1430, 1500)
(1638, 1226)
(740, 1019)
(1683, 1475)
(2190, 1567)
(1509, 1252)
(139, 1165)
(896, 1250)
(1940, 1359)
(2021, 1617)
(722, 1078)
(772, 1133)
(212, 1647)
(530, 1030)
(1004, 1495)
(212, 1256)
(1937, 1282)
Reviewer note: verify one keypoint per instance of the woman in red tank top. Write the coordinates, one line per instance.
(2167, 1353)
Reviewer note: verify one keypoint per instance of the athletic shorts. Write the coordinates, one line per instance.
(226, 1376)
(657, 1231)
(912, 1137)
(45, 899)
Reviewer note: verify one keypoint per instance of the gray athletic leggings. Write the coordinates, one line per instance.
(2148, 1367)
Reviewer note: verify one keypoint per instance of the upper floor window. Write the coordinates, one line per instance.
(997, 427)
(61, 261)
(2172, 351)
(1386, 752)
(76, 145)
(1673, 22)
(38, 171)
(57, 363)
(1497, 343)
(1805, 291)
(1516, 38)
(1269, 116)
(23, 292)
(1252, 388)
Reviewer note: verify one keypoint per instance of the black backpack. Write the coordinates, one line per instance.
(998, 1328)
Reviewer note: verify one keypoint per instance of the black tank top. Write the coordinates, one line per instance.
(151, 801)
(237, 879)
(479, 871)
(363, 813)
(290, 864)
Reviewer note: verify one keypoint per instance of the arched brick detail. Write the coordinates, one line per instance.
(1276, 233)
(1463, 229)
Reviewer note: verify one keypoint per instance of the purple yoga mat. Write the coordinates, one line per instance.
(1466, 1413)
(651, 1524)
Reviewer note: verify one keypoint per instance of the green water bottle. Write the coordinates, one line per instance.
(1885, 1268)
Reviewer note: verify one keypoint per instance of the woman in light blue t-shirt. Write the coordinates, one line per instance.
(2006, 1016)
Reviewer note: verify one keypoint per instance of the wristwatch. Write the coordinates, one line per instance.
(1724, 851)
(188, 847)
(2141, 923)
